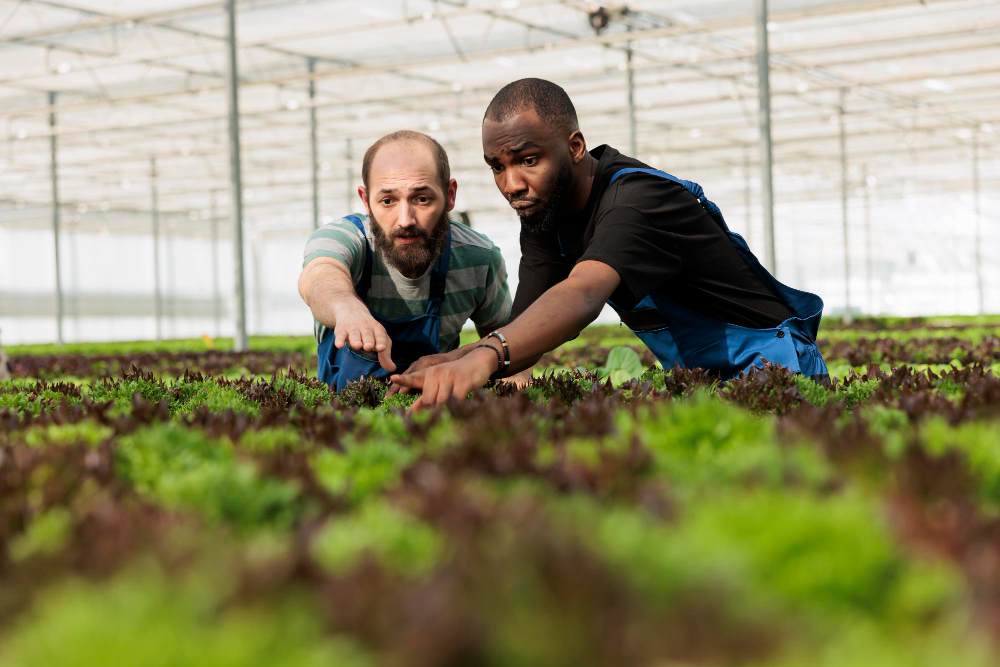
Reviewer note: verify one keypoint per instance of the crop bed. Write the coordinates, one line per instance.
(215, 508)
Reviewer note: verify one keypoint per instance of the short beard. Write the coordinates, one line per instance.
(411, 260)
(544, 221)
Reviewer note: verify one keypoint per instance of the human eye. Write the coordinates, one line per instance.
(423, 199)
(385, 201)
(496, 168)
(530, 161)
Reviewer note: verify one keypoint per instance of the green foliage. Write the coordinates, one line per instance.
(814, 392)
(574, 522)
(184, 468)
(702, 443)
(47, 534)
(88, 432)
(143, 618)
(829, 562)
(623, 364)
(978, 442)
(31, 398)
(397, 541)
(272, 440)
(366, 466)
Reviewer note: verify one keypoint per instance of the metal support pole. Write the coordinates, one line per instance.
(979, 223)
(240, 341)
(747, 195)
(53, 174)
(630, 79)
(216, 296)
(869, 271)
(766, 168)
(258, 292)
(312, 143)
(843, 207)
(74, 277)
(347, 175)
(157, 289)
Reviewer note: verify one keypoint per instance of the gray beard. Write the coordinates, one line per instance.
(411, 260)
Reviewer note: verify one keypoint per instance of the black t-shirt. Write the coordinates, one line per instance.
(658, 238)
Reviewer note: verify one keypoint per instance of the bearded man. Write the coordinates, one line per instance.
(399, 282)
(601, 227)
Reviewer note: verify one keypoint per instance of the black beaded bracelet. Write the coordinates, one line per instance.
(499, 357)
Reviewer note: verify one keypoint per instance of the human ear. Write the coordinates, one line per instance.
(577, 146)
(363, 193)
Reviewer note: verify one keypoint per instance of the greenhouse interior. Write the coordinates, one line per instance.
(500, 333)
(871, 180)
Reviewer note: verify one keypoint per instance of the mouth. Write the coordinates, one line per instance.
(407, 240)
(523, 207)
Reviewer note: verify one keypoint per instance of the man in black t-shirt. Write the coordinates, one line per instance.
(602, 227)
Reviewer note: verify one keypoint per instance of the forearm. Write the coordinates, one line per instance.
(327, 292)
(557, 316)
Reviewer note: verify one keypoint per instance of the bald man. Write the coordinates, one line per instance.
(400, 281)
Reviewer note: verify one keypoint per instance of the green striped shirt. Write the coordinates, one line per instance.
(476, 286)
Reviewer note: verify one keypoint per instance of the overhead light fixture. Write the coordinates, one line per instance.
(504, 61)
(434, 126)
(64, 67)
(292, 104)
(376, 12)
(939, 86)
(684, 17)
(21, 133)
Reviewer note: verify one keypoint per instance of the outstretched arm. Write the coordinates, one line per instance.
(557, 316)
(326, 286)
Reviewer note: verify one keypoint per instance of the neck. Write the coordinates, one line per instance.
(583, 183)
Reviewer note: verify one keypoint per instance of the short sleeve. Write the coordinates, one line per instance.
(341, 240)
(493, 310)
(541, 268)
(645, 255)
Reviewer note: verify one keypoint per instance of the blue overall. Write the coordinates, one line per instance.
(412, 337)
(677, 335)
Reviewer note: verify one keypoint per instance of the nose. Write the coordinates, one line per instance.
(407, 215)
(514, 184)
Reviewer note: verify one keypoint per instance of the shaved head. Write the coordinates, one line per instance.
(548, 100)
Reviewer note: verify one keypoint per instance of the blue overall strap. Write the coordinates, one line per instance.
(696, 190)
(440, 272)
(366, 273)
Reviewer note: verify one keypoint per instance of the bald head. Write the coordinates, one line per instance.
(401, 141)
